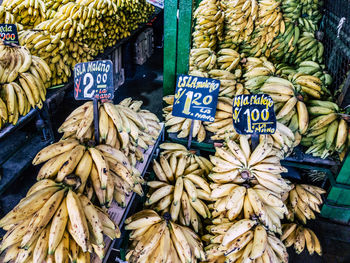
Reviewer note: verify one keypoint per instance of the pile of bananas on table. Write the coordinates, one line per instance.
(65, 32)
(24, 79)
(179, 188)
(55, 224)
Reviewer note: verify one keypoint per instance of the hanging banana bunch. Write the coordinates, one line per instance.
(237, 162)
(328, 132)
(304, 200)
(268, 26)
(53, 223)
(125, 127)
(102, 171)
(155, 238)
(242, 241)
(180, 187)
(301, 237)
(240, 17)
(209, 24)
(233, 200)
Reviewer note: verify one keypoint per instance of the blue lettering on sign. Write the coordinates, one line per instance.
(196, 98)
(94, 80)
(254, 114)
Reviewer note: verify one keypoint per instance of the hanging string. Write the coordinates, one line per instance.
(340, 25)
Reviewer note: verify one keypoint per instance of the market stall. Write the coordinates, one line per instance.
(249, 162)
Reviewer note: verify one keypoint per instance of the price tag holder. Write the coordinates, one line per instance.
(94, 81)
(196, 98)
(8, 34)
(254, 114)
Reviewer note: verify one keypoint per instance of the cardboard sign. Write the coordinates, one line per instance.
(196, 98)
(8, 34)
(94, 80)
(254, 114)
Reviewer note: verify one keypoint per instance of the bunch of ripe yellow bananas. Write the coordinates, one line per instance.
(267, 27)
(124, 126)
(28, 13)
(229, 82)
(328, 132)
(240, 17)
(51, 49)
(24, 78)
(53, 223)
(181, 125)
(100, 170)
(232, 200)
(180, 187)
(301, 237)
(209, 25)
(239, 162)
(155, 239)
(304, 200)
(242, 241)
(202, 59)
(7, 17)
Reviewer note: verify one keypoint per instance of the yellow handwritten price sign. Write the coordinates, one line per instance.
(254, 114)
(196, 98)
